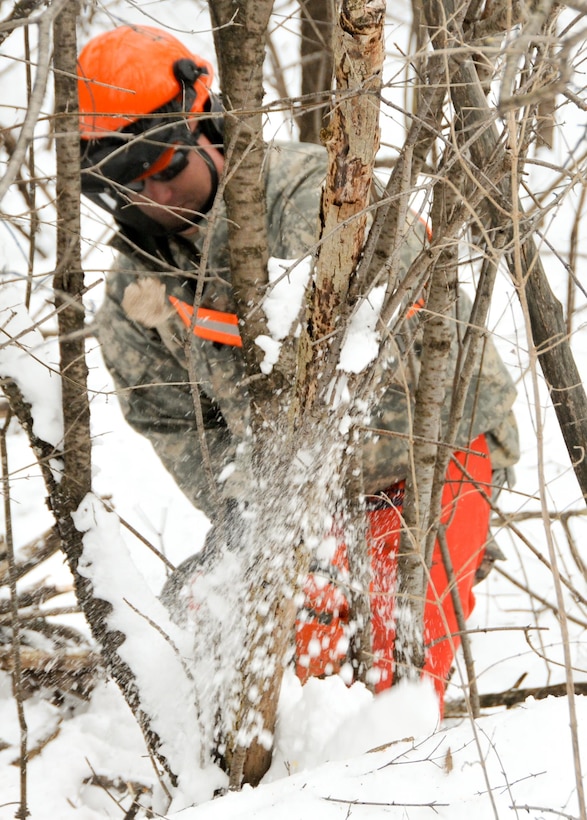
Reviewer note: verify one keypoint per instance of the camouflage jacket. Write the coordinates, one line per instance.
(143, 344)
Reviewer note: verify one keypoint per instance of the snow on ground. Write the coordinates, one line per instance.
(425, 775)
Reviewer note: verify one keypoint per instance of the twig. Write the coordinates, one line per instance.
(550, 661)
(42, 744)
(18, 17)
(37, 97)
(42, 449)
(576, 555)
(32, 599)
(167, 638)
(484, 630)
(35, 614)
(511, 697)
(537, 514)
(527, 808)
(432, 804)
(32, 554)
(461, 621)
(162, 557)
(108, 784)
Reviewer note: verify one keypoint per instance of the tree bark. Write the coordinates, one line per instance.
(239, 36)
(240, 31)
(351, 139)
(68, 283)
(420, 515)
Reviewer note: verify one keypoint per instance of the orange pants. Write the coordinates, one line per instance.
(322, 626)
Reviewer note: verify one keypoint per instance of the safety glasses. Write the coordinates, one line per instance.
(151, 147)
(171, 163)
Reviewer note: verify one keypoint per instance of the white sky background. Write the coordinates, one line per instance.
(527, 750)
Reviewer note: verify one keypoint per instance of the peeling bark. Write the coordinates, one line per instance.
(351, 139)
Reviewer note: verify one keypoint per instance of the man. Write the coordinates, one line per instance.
(152, 155)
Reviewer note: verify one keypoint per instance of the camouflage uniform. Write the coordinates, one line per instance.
(150, 371)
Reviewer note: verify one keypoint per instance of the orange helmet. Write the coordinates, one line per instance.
(132, 71)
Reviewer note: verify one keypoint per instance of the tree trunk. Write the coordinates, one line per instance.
(240, 31)
(68, 286)
(419, 513)
(352, 141)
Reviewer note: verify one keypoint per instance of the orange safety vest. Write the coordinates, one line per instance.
(213, 325)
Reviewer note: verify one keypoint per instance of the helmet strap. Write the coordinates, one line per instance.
(213, 175)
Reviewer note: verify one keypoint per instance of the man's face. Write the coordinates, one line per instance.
(174, 203)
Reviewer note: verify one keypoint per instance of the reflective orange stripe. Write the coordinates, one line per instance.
(213, 325)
